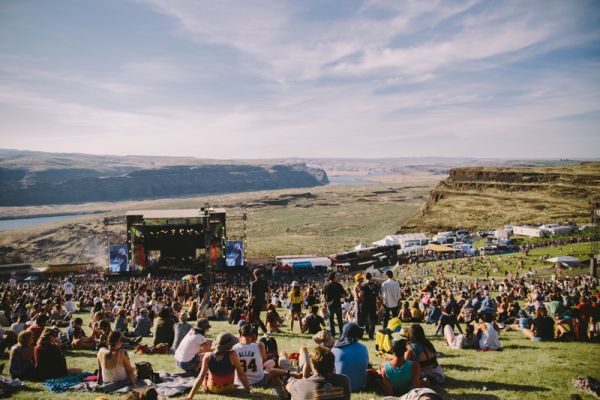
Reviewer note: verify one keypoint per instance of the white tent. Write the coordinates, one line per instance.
(563, 259)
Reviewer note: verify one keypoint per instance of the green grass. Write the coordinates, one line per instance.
(509, 262)
(524, 370)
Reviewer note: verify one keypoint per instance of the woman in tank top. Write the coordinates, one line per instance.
(218, 368)
(488, 334)
(113, 362)
(400, 375)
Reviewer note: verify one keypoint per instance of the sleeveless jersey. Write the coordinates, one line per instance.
(251, 361)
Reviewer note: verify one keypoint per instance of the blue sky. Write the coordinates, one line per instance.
(311, 78)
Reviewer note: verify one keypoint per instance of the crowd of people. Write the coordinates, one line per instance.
(42, 321)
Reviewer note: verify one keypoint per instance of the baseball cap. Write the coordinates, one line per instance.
(358, 277)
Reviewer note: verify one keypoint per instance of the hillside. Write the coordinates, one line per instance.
(30, 179)
(486, 197)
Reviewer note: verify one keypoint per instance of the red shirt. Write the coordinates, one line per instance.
(37, 331)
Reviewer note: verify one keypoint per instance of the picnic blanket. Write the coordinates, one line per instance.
(65, 382)
(170, 385)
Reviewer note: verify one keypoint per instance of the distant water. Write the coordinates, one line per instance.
(9, 224)
(348, 180)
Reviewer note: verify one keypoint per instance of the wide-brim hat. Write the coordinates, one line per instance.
(224, 342)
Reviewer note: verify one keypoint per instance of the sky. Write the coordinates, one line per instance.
(310, 78)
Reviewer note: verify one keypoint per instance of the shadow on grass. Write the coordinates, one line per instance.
(519, 347)
(464, 368)
(455, 383)
(79, 354)
(471, 396)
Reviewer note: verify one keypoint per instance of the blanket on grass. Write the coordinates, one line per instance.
(170, 385)
(65, 382)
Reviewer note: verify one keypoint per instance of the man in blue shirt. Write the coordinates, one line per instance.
(352, 357)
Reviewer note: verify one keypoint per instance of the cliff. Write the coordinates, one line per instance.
(486, 197)
(70, 181)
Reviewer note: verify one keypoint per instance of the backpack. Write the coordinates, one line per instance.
(144, 370)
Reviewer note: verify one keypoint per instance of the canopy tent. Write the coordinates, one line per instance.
(439, 248)
(564, 259)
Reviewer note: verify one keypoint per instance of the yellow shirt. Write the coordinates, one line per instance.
(296, 299)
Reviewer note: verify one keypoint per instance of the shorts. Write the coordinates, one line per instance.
(216, 389)
(436, 374)
(189, 366)
(297, 308)
(265, 382)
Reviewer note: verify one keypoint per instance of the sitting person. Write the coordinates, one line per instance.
(405, 314)
(325, 383)
(49, 361)
(21, 357)
(273, 319)
(448, 318)
(400, 375)
(542, 327)
(18, 326)
(488, 333)
(258, 371)
(190, 351)
(434, 313)
(416, 313)
(164, 332)
(180, 329)
(523, 320)
(462, 341)
(143, 324)
(420, 349)
(77, 337)
(113, 363)
(323, 338)
(219, 368)
(313, 322)
(236, 313)
(352, 357)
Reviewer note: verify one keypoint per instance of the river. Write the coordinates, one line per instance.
(18, 223)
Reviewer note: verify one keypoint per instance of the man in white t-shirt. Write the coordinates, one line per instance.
(68, 287)
(190, 352)
(390, 296)
(69, 305)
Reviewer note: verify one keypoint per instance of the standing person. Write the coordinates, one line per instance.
(334, 292)
(259, 292)
(140, 300)
(357, 293)
(68, 287)
(296, 297)
(370, 294)
(390, 297)
(203, 296)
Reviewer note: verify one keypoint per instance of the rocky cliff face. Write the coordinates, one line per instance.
(75, 185)
(484, 197)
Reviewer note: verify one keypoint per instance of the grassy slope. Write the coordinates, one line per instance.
(525, 370)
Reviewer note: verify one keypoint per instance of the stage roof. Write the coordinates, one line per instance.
(438, 248)
(182, 213)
